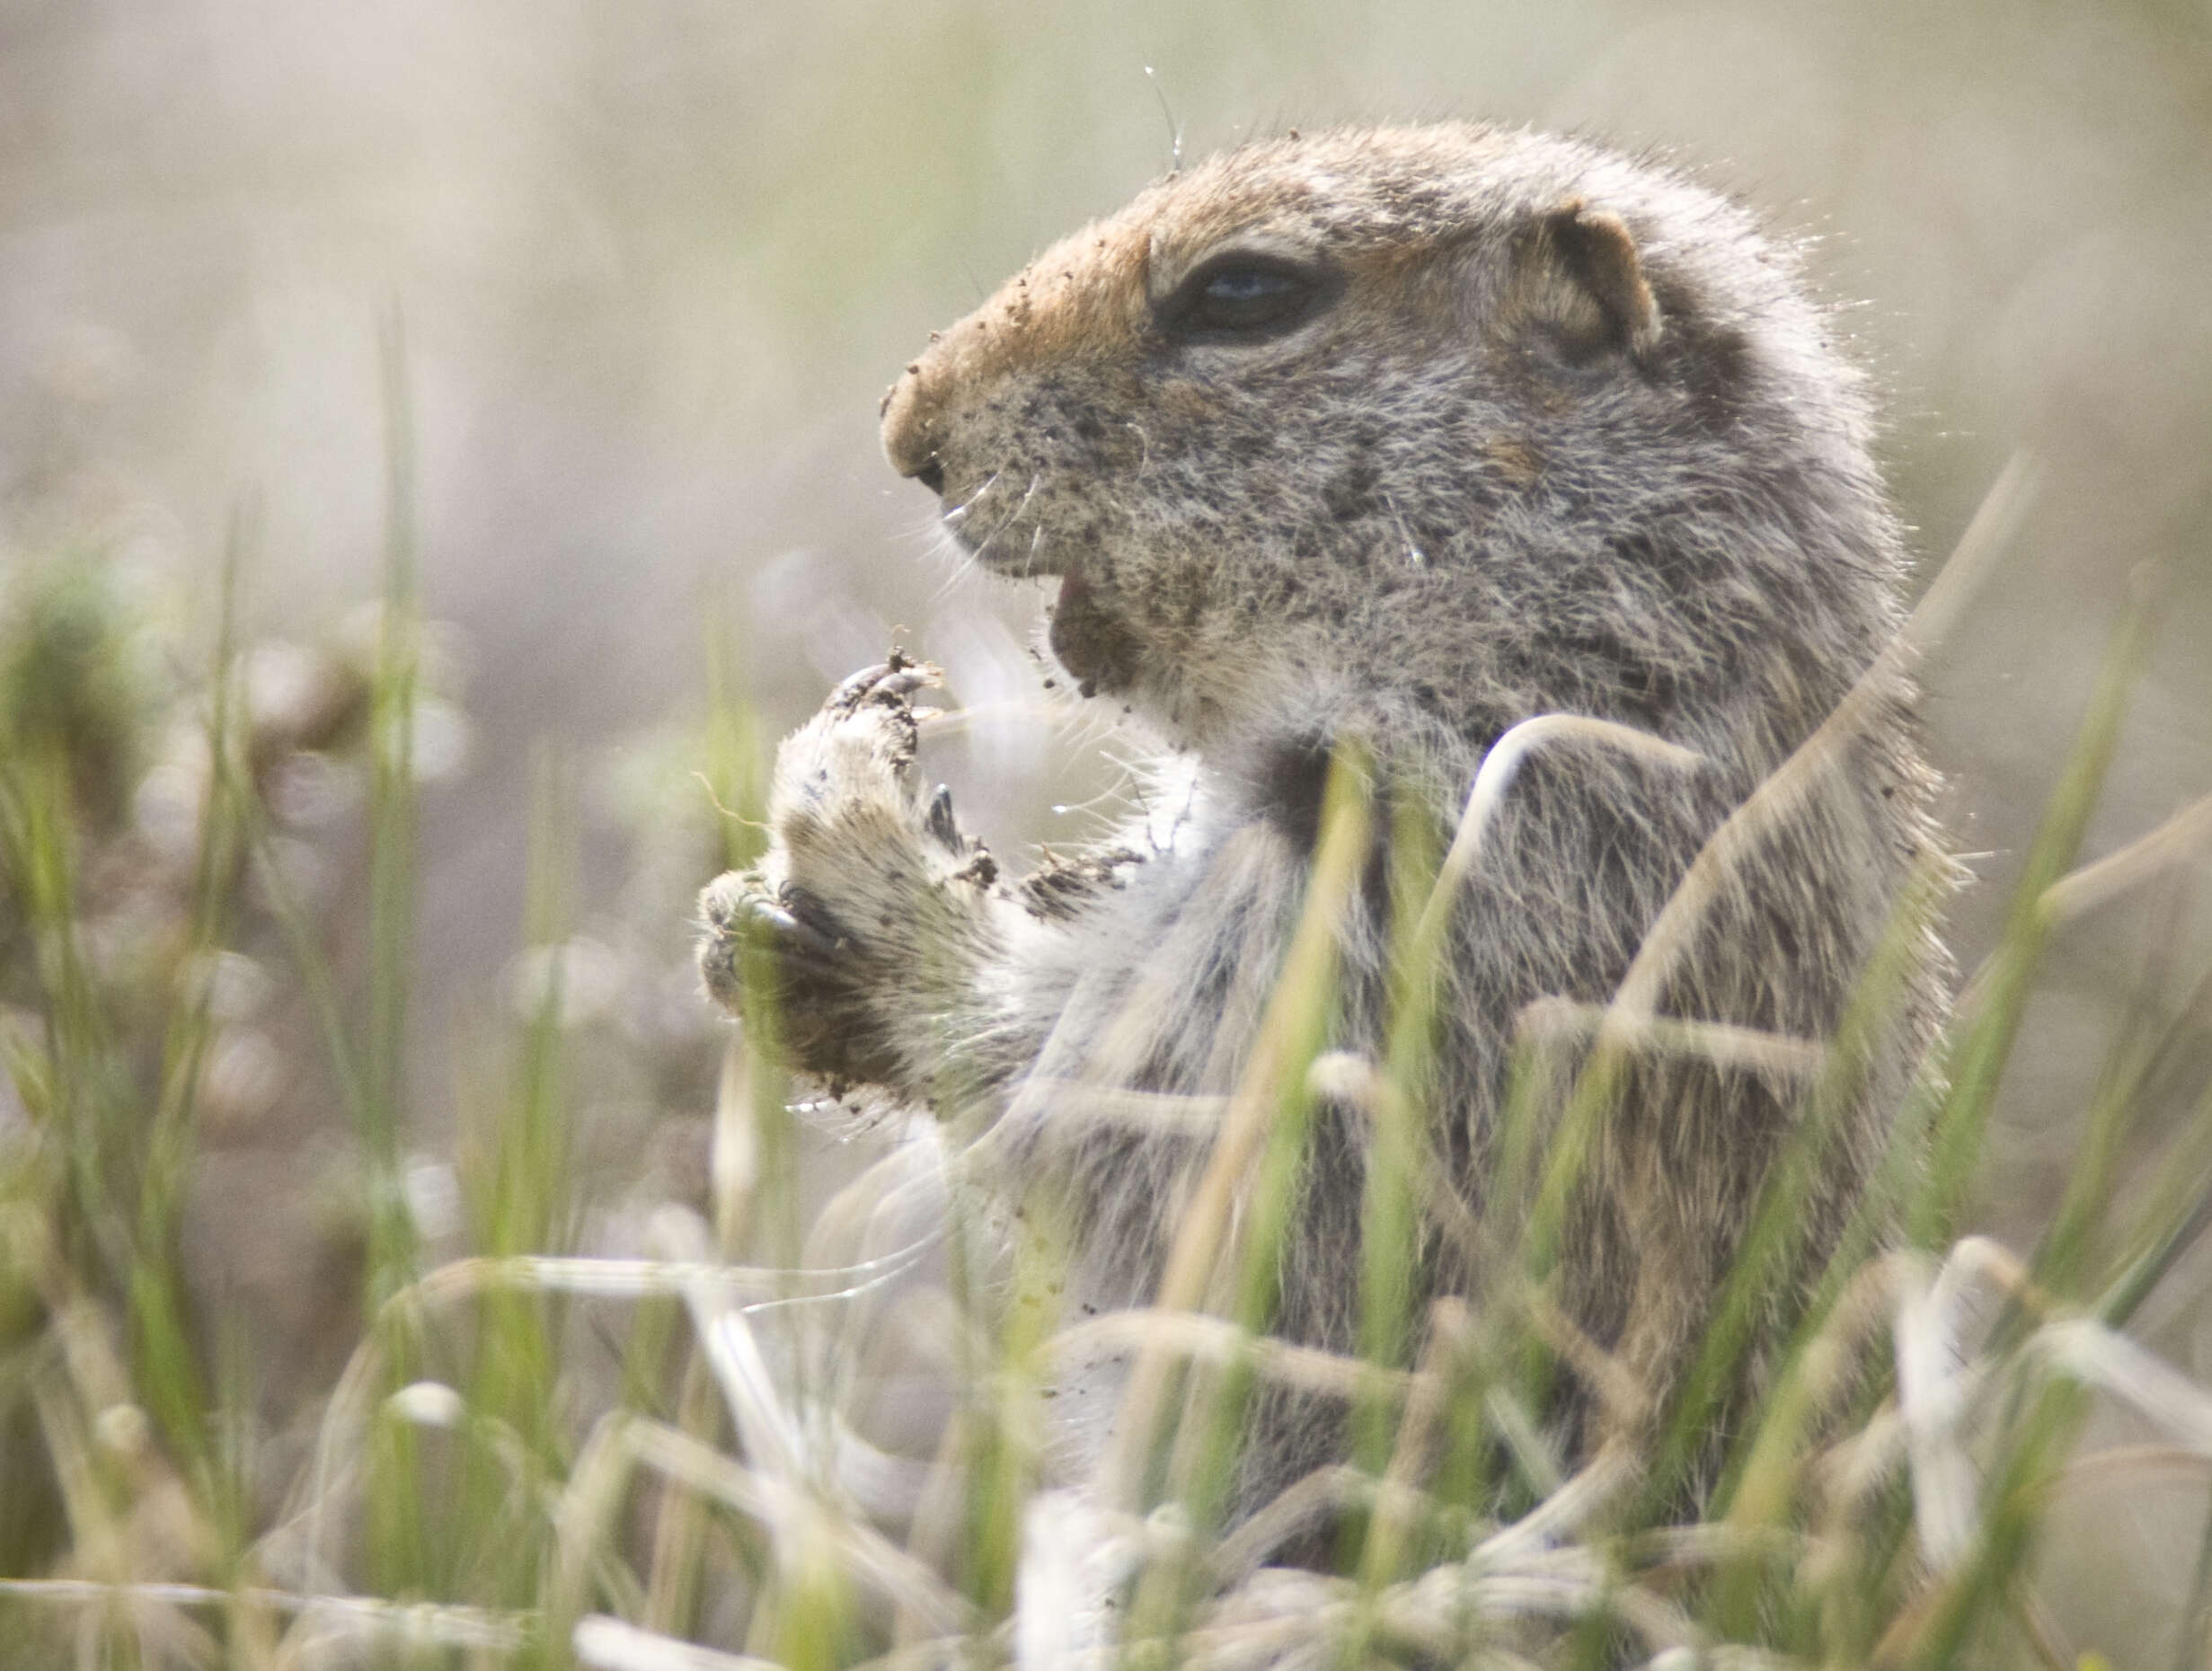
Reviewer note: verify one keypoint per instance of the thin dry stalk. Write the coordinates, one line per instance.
(1622, 1400)
(1785, 789)
(581, 1515)
(609, 1644)
(2136, 1464)
(800, 1520)
(1933, 1389)
(1559, 1586)
(1298, 1507)
(1198, 1337)
(931, 1536)
(2103, 1358)
(354, 1618)
(1501, 763)
(1829, 1364)
(2180, 840)
(1194, 1259)
(1721, 1043)
(1937, 1385)
(1352, 1081)
(1564, 1512)
(1425, 1405)
(709, 1288)
(1168, 1113)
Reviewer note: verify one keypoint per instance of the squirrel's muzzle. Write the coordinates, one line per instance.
(909, 440)
(1081, 303)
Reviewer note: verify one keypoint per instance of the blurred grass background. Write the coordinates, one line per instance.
(656, 263)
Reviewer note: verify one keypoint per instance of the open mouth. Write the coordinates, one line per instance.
(1088, 634)
(1090, 637)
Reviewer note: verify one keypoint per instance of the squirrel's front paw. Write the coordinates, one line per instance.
(866, 916)
(855, 759)
(750, 929)
(846, 812)
(773, 952)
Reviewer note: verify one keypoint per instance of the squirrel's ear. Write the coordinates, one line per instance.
(1587, 280)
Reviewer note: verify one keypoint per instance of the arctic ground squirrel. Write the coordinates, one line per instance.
(1385, 442)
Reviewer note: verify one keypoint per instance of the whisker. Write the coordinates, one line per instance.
(1011, 516)
(963, 565)
(960, 510)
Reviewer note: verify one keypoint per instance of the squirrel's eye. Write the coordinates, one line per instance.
(1241, 298)
(1248, 295)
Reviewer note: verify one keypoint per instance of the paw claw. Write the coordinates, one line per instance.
(849, 694)
(889, 683)
(773, 923)
(798, 926)
(743, 916)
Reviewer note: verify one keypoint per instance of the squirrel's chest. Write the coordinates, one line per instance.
(1166, 981)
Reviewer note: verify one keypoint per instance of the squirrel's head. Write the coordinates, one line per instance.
(1453, 424)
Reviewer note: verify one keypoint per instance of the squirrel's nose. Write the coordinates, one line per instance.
(909, 441)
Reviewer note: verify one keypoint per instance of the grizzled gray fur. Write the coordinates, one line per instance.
(1404, 436)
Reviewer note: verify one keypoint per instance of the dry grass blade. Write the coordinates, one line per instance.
(1784, 788)
(2179, 840)
(1074, 1557)
(645, 1278)
(1168, 1112)
(301, 1543)
(582, 1518)
(1299, 1507)
(769, 1431)
(357, 1621)
(1829, 1364)
(1931, 1399)
(792, 1514)
(1624, 1400)
(1500, 765)
(2103, 1358)
(1710, 1541)
(1562, 1513)
(2129, 1461)
(1193, 1260)
(608, 1644)
(1195, 1336)
(1559, 1586)
(1400, 1497)
(1939, 1386)
(1718, 1043)
(360, 1619)
(1352, 1081)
